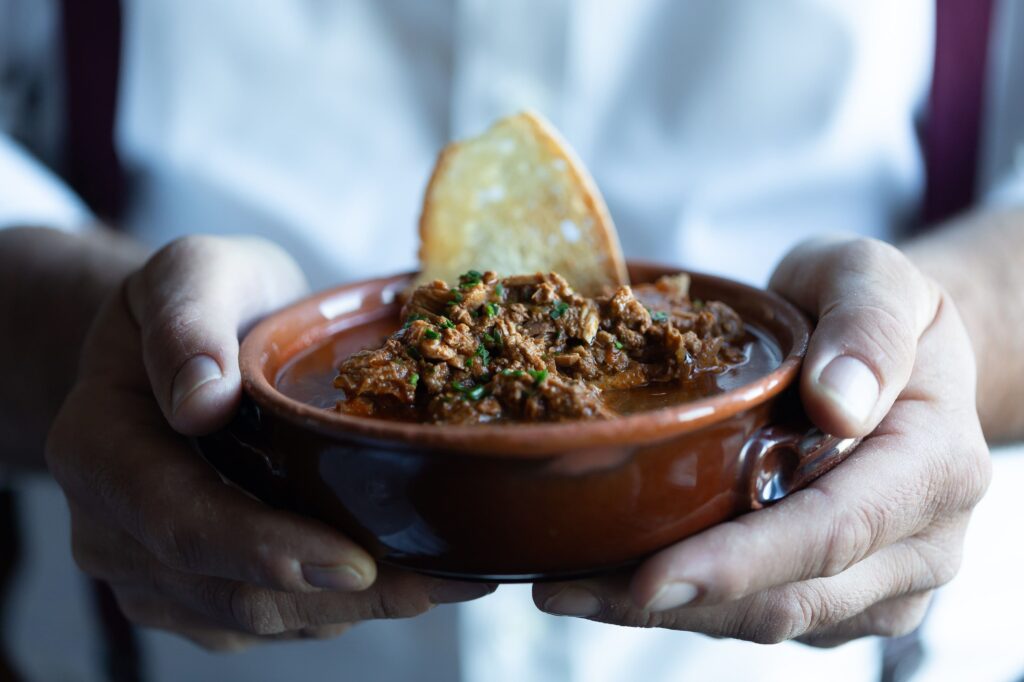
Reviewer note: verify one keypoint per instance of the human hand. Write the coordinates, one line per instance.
(860, 550)
(182, 550)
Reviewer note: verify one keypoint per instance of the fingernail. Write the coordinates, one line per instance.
(342, 577)
(672, 595)
(452, 592)
(198, 371)
(851, 385)
(573, 601)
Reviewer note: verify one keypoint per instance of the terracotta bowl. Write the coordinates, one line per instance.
(518, 502)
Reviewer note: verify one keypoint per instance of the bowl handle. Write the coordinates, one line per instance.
(784, 459)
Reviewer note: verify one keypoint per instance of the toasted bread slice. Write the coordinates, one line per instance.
(517, 200)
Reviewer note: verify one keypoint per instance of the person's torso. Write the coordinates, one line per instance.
(719, 132)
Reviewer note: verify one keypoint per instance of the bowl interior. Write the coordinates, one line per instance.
(373, 304)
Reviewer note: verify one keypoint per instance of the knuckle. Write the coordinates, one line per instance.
(397, 602)
(977, 475)
(254, 611)
(172, 324)
(885, 337)
(181, 250)
(936, 563)
(777, 618)
(848, 538)
(877, 259)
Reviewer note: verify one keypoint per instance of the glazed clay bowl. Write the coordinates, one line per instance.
(518, 502)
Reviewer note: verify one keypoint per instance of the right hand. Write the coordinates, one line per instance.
(181, 549)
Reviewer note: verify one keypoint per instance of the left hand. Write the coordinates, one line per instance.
(860, 550)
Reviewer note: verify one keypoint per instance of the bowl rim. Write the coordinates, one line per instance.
(531, 440)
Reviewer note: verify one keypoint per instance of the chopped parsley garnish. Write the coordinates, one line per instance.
(558, 309)
(473, 392)
(491, 309)
(483, 354)
(659, 316)
(413, 318)
(456, 297)
(499, 291)
(432, 334)
(618, 344)
(513, 373)
(447, 324)
(413, 352)
(470, 279)
(539, 375)
(493, 339)
(414, 379)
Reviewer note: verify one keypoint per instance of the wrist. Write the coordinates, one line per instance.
(51, 285)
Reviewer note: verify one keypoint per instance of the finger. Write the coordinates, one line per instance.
(249, 608)
(259, 611)
(137, 474)
(891, 618)
(191, 301)
(770, 616)
(150, 610)
(872, 306)
(146, 608)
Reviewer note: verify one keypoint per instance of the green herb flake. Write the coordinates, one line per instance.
(413, 318)
(470, 279)
(499, 291)
(432, 334)
(659, 316)
(491, 309)
(414, 379)
(447, 324)
(483, 354)
(618, 344)
(456, 297)
(558, 309)
(413, 352)
(473, 392)
(539, 375)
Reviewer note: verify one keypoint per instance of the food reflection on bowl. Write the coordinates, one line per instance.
(519, 501)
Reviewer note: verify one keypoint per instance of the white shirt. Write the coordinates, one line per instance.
(720, 132)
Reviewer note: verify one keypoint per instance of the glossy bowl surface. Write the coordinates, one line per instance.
(519, 501)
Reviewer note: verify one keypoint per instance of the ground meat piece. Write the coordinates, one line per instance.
(379, 375)
(429, 299)
(547, 397)
(624, 307)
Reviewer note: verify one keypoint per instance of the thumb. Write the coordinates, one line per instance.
(191, 301)
(872, 306)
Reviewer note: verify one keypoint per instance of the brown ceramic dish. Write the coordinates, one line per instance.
(517, 501)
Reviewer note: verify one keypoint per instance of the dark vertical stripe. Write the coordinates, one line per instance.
(953, 127)
(10, 555)
(92, 55)
(122, 656)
